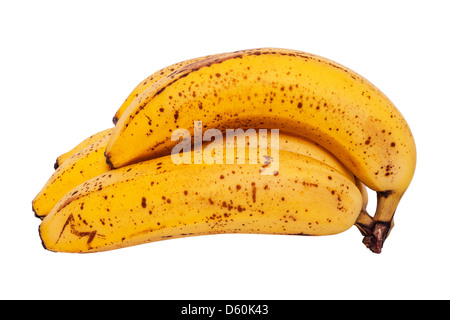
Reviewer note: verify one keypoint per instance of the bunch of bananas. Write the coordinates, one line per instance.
(337, 136)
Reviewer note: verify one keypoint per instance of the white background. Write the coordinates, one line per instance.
(65, 67)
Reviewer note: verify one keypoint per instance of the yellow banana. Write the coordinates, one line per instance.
(83, 144)
(158, 199)
(90, 162)
(283, 89)
(83, 165)
(150, 80)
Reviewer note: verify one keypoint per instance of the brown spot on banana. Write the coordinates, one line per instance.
(70, 222)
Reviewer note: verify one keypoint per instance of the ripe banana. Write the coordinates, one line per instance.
(83, 144)
(85, 164)
(90, 162)
(158, 199)
(283, 89)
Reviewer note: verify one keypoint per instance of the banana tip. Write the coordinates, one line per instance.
(42, 240)
(35, 213)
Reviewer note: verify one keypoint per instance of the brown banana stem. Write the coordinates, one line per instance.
(364, 223)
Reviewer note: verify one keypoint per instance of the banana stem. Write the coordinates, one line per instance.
(375, 230)
(378, 235)
(365, 223)
(374, 233)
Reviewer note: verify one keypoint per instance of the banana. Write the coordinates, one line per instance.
(157, 199)
(90, 162)
(150, 80)
(283, 89)
(83, 144)
(83, 165)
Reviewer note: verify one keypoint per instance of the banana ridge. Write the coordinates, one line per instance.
(150, 80)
